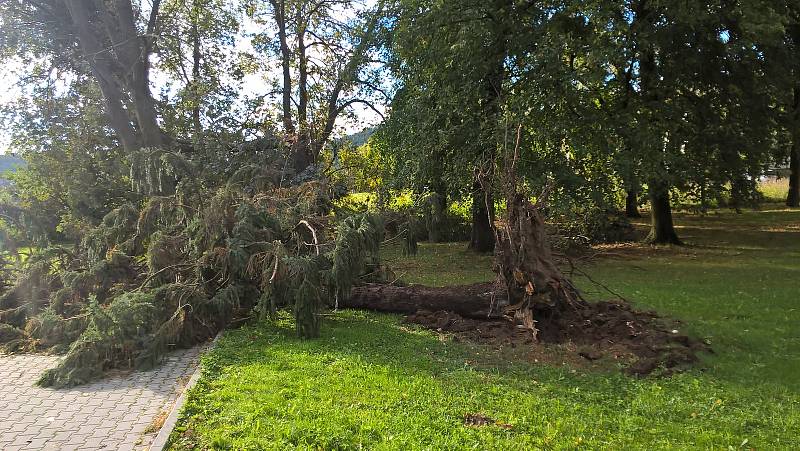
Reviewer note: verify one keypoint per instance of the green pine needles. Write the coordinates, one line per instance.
(175, 268)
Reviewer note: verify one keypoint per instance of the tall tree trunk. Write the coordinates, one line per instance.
(302, 84)
(102, 66)
(482, 238)
(196, 55)
(436, 212)
(130, 50)
(662, 229)
(121, 69)
(279, 7)
(632, 204)
(304, 153)
(793, 198)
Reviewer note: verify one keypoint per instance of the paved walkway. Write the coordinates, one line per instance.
(116, 413)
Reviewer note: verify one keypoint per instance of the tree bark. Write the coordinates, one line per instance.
(482, 238)
(471, 301)
(302, 104)
(196, 55)
(121, 68)
(101, 65)
(279, 7)
(632, 204)
(436, 212)
(662, 228)
(793, 198)
(130, 50)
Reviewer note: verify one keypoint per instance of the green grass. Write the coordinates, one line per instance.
(440, 265)
(372, 382)
(774, 190)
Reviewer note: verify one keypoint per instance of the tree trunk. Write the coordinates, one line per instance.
(102, 66)
(632, 204)
(130, 50)
(196, 55)
(662, 229)
(279, 7)
(302, 153)
(471, 301)
(302, 104)
(436, 212)
(123, 75)
(482, 238)
(793, 198)
(525, 262)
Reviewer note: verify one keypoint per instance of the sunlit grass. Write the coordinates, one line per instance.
(372, 382)
(440, 264)
(774, 190)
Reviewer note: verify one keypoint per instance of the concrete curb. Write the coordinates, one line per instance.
(160, 442)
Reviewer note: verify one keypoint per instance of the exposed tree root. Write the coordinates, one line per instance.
(597, 329)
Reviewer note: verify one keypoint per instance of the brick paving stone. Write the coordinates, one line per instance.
(109, 414)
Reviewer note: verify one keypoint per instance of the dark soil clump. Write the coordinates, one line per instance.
(596, 329)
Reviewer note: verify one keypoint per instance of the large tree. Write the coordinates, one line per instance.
(691, 99)
(328, 63)
(181, 250)
(773, 28)
(451, 61)
(114, 41)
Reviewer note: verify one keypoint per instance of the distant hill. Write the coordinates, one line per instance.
(9, 163)
(360, 138)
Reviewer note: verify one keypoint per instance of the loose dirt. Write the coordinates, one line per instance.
(643, 341)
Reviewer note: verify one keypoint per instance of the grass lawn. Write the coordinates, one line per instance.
(373, 382)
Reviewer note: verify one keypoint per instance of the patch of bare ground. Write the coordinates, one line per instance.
(591, 335)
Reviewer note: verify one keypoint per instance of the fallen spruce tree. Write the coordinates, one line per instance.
(175, 269)
(188, 260)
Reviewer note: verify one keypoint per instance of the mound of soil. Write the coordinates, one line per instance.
(596, 329)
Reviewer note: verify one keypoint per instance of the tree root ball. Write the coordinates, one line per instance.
(648, 343)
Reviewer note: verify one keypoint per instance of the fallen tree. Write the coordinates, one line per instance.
(479, 301)
(531, 300)
(164, 275)
(176, 269)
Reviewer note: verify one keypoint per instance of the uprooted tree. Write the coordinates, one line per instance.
(183, 254)
(531, 296)
(529, 286)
